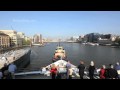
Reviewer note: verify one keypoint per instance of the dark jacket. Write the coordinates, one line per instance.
(81, 68)
(4, 69)
(91, 69)
(112, 73)
(7, 75)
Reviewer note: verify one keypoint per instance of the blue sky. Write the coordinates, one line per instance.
(61, 23)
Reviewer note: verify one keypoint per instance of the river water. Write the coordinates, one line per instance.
(42, 56)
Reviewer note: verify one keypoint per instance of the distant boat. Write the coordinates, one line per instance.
(59, 53)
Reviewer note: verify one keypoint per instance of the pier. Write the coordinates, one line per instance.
(20, 56)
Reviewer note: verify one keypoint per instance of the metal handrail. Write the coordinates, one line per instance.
(26, 69)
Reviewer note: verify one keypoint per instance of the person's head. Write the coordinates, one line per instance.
(103, 66)
(53, 65)
(5, 65)
(81, 62)
(117, 63)
(111, 66)
(92, 63)
(68, 61)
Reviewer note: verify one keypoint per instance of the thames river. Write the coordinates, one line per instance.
(42, 56)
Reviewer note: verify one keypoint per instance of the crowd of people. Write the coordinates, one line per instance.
(110, 72)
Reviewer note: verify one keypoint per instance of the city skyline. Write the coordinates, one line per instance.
(61, 24)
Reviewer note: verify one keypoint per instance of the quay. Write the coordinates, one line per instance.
(19, 55)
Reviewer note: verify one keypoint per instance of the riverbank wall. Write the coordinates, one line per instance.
(22, 61)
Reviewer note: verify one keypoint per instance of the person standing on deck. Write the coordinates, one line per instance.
(12, 68)
(117, 67)
(112, 73)
(102, 72)
(68, 65)
(81, 68)
(53, 71)
(91, 70)
(4, 68)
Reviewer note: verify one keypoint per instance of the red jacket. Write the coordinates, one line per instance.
(102, 72)
(53, 70)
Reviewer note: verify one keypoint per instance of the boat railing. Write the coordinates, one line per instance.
(26, 71)
(46, 72)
